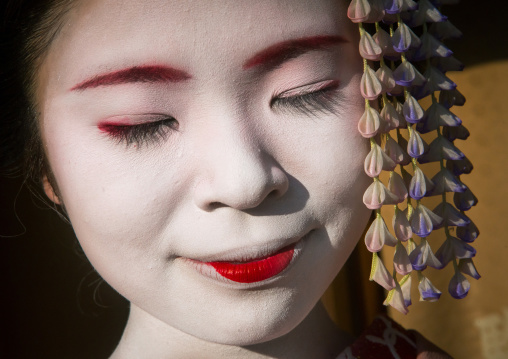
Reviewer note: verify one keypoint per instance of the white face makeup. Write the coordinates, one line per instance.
(182, 132)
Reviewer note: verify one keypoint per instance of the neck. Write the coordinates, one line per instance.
(147, 337)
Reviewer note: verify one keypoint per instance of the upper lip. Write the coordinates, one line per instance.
(251, 253)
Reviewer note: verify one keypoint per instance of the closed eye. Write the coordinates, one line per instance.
(322, 97)
(139, 134)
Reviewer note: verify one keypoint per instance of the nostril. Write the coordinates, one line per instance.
(215, 205)
(275, 194)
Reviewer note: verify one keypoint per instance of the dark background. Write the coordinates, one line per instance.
(53, 305)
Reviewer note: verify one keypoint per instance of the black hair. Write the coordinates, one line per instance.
(27, 30)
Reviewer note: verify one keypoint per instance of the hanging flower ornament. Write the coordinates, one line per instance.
(404, 60)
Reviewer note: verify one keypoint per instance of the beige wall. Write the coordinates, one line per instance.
(477, 326)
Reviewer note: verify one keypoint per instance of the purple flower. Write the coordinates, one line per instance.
(431, 47)
(445, 64)
(466, 266)
(379, 273)
(426, 12)
(403, 38)
(392, 6)
(451, 98)
(406, 74)
(377, 194)
(378, 235)
(468, 233)
(459, 167)
(420, 91)
(422, 256)
(445, 181)
(401, 226)
(369, 122)
(412, 110)
(427, 290)
(377, 161)
(465, 200)
(416, 146)
(437, 115)
(405, 286)
(423, 221)
(454, 248)
(445, 30)
(439, 149)
(390, 18)
(450, 215)
(409, 5)
(437, 80)
(459, 286)
(420, 185)
(452, 133)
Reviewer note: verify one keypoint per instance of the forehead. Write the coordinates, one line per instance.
(104, 34)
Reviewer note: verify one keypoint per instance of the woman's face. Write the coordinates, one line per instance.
(181, 133)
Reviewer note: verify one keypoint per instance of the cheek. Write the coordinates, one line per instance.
(116, 200)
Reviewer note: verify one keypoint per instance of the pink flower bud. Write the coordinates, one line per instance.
(401, 261)
(380, 275)
(401, 226)
(397, 187)
(385, 76)
(370, 85)
(369, 49)
(369, 123)
(378, 235)
(396, 153)
(395, 299)
(377, 195)
(377, 161)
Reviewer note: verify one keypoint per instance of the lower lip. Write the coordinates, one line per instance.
(257, 270)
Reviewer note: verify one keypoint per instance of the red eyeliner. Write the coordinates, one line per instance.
(112, 128)
(257, 270)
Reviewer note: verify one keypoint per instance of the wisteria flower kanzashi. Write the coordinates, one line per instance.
(405, 60)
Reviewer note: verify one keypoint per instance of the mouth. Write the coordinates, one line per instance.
(251, 270)
(256, 270)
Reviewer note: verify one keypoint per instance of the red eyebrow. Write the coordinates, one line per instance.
(135, 74)
(276, 54)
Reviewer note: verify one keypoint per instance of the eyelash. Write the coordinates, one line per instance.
(322, 100)
(141, 134)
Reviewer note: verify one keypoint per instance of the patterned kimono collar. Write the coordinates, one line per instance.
(384, 338)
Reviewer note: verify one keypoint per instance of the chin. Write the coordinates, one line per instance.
(258, 326)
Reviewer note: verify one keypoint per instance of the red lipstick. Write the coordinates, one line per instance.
(256, 270)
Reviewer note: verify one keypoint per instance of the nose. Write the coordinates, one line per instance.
(237, 172)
